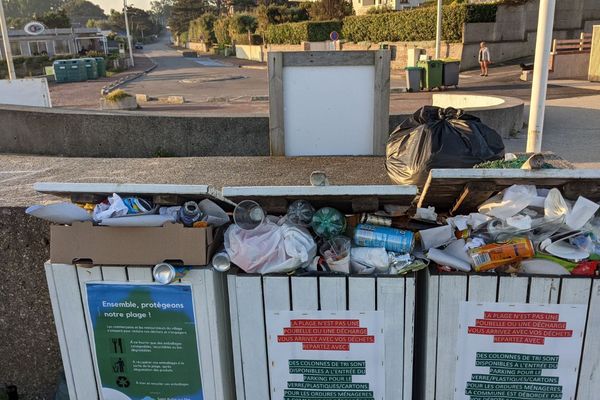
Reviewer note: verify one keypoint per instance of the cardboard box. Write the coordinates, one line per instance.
(83, 242)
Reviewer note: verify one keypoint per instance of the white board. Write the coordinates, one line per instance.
(524, 351)
(25, 92)
(328, 110)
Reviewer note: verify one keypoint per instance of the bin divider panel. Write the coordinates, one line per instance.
(114, 273)
(60, 329)
(543, 290)
(409, 335)
(451, 294)
(483, 288)
(305, 293)
(89, 274)
(277, 293)
(361, 296)
(72, 314)
(220, 333)
(430, 329)
(332, 293)
(513, 289)
(201, 298)
(589, 384)
(139, 274)
(238, 371)
(390, 300)
(253, 336)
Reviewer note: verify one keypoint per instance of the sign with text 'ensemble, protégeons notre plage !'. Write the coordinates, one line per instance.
(145, 341)
(518, 351)
(326, 355)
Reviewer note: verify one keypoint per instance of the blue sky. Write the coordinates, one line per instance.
(118, 4)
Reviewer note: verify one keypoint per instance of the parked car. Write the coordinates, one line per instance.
(139, 46)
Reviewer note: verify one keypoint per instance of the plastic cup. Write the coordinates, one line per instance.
(248, 215)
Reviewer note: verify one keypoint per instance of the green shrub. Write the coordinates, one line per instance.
(294, 33)
(242, 23)
(417, 24)
(243, 38)
(221, 29)
(117, 95)
(202, 29)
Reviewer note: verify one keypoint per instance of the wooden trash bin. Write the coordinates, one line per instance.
(440, 294)
(206, 291)
(253, 297)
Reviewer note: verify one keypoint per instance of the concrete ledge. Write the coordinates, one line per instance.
(86, 133)
(503, 114)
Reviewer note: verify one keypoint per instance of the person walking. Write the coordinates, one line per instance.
(484, 59)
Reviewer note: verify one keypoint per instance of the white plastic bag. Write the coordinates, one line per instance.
(270, 248)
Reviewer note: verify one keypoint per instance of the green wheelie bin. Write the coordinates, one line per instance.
(432, 74)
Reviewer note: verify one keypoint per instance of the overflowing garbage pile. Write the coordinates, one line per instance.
(523, 229)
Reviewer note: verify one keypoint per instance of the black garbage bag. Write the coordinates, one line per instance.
(437, 137)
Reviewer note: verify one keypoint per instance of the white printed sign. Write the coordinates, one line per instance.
(326, 355)
(518, 351)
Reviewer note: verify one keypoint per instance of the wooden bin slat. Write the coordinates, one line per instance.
(589, 384)
(68, 299)
(305, 293)
(409, 335)
(452, 292)
(388, 293)
(513, 290)
(361, 294)
(332, 293)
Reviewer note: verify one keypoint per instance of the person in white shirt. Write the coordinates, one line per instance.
(484, 59)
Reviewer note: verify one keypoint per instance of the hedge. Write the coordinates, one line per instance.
(416, 25)
(308, 31)
(202, 29)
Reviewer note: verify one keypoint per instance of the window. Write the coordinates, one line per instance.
(15, 48)
(38, 48)
(61, 47)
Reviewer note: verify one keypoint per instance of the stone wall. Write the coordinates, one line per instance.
(29, 353)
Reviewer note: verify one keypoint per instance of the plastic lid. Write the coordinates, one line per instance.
(412, 68)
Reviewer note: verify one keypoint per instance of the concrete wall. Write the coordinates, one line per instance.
(198, 46)
(129, 134)
(513, 34)
(73, 133)
(250, 52)
(594, 68)
(570, 66)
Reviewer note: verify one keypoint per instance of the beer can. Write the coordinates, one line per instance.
(166, 273)
(391, 239)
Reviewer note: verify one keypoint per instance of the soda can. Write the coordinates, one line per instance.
(166, 273)
(391, 239)
(221, 262)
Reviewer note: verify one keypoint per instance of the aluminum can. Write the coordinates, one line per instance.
(373, 219)
(221, 262)
(391, 239)
(166, 273)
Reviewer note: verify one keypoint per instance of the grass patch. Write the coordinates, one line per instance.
(117, 95)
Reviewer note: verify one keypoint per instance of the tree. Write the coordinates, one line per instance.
(141, 22)
(161, 10)
(81, 11)
(27, 8)
(325, 10)
(55, 19)
(185, 11)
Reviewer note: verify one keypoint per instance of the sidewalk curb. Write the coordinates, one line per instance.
(128, 78)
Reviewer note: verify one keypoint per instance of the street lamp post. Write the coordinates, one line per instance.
(540, 76)
(129, 44)
(438, 30)
(6, 42)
